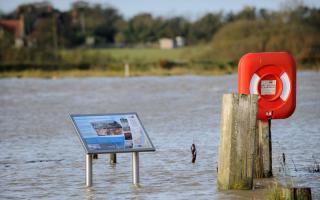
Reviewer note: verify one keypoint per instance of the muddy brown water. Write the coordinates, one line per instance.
(41, 156)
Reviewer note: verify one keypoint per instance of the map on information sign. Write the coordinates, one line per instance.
(112, 133)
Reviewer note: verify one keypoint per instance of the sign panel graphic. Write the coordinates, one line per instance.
(112, 133)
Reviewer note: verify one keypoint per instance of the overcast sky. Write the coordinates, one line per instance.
(187, 8)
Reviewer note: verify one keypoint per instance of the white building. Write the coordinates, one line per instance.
(180, 41)
(167, 43)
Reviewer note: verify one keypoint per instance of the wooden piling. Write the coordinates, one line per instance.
(237, 141)
(263, 161)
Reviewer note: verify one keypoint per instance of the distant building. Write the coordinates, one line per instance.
(16, 27)
(180, 41)
(168, 43)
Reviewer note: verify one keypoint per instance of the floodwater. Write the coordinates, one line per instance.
(42, 158)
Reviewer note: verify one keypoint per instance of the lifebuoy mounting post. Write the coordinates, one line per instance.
(272, 76)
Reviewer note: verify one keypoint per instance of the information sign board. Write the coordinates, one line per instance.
(112, 133)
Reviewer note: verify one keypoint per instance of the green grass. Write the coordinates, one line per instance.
(142, 61)
(129, 55)
(108, 73)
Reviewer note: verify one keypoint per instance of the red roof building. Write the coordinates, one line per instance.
(15, 26)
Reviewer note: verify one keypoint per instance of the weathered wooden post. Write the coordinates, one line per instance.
(113, 158)
(237, 141)
(263, 161)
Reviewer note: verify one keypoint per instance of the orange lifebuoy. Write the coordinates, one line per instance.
(271, 75)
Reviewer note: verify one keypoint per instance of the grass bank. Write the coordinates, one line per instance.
(52, 74)
(110, 62)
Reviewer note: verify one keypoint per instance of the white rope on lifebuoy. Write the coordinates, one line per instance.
(254, 84)
(286, 86)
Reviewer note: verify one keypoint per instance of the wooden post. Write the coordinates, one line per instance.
(237, 141)
(297, 193)
(113, 158)
(263, 161)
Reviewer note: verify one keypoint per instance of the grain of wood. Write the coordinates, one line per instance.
(263, 161)
(237, 141)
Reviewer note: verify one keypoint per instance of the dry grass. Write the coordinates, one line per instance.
(107, 73)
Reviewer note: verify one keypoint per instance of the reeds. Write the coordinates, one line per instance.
(315, 168)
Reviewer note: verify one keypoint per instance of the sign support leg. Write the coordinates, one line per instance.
(88, 170)
(135, 168)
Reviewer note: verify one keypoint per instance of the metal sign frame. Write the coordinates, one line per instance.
(90, 153)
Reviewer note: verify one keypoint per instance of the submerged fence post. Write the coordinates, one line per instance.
(113, 158)
(237, 141)
(263, 162)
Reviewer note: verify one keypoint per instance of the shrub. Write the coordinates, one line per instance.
(166, 64)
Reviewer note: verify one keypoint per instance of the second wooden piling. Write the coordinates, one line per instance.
(263, 161)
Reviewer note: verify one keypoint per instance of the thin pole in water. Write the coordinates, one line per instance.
(88, 170)
(270, 149)
(135, 168)
(194, 153)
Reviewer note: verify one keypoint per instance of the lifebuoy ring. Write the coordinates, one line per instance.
(286, 86)
(272, 76)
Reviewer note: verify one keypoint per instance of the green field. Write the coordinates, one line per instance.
(146, 55)
(111, 61)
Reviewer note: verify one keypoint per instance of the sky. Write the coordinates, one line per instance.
(188, 8)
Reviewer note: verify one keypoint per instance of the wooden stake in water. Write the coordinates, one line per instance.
(237, 141)
(113, 158)
(194, 153)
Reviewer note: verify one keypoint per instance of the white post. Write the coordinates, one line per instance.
(135, 168)
(126, 70)
(88, 170)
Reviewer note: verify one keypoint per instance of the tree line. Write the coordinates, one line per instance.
(223, 36)
(107, 25)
